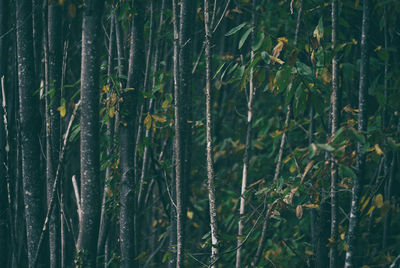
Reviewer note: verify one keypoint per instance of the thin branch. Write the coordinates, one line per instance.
(54, 191)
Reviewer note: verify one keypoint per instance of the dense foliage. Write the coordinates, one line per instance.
(249, 113)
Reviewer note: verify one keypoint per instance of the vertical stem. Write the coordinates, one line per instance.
(362, 125)
(128, 110)
(29, 130)
(89, 145)
(54, 66)
(334, 125)
(209, 139)
(104, 218)
(252, 91)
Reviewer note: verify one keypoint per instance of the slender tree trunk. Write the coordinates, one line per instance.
(209, 139)
(387, 167)
(104, 217)
(178, 145)
(127, 138)
(5, 223)
(252, 92)
(362, 126)
(186, 37)
(261, 242)
(29, 128)
(53, 123)
(334, 126)
(90, 183)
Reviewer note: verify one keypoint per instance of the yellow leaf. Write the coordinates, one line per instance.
(378, 201)
(158, 118)
(306, 170)
(111, 112)
(147, 121)
(72, 10)
(365, 204)
(258, 146)
(282, 41)
(61, 2)
(365, 266)
(109, 192)
(342, 235)
(196, 225)
(106, 88)
(311, 205)
(378, 149)
(276, 59)
(331, 240)
(62, 110)
(309, 252)
(292, 168)
(287, 159)
(189, 214)
(299, 211)
(154, 223)
(165, 104)
(326, 76)
(370, 210)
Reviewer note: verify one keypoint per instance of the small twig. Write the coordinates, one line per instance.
(244, 240)
(7, 149)
(393, 265)
(294, 251)
(54, 191)
(77, 196)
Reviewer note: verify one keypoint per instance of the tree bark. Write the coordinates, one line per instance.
(362, 126)
(127, 138)
(90, 184)
(104, 217)
(178, 145)
(334, 125)
(209, 140)
(252, 92)
(53, 124)
(5, 226)
(29, 128)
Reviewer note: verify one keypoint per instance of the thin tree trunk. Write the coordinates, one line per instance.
(387, 169)
(362, 125)
(186, 37)
(5, 208)
(53, 123)
(334, 126)
(29, 128)
(280, 153)
(104, 218)
(252, 92)
(90, 185)
(178, 145)
(209, 139)
(141, 124)
(127, 139)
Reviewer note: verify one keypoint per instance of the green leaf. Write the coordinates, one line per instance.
(258, 41)
(283, 78)
(325, 147)
(357, 135)
(244, 37)
(346, 171)
(312, 149)
(219, 70)
(235, 29)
